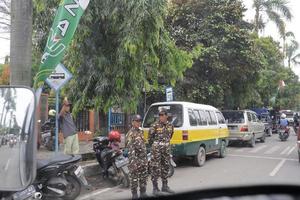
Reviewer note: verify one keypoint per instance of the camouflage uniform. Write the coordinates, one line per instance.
(137, 154)
(160, 135)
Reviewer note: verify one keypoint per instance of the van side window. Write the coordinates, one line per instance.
(208, 117)
(220, 117)
(196, 113)
(213, 118)
(192, 117)
(249, 117)
(203, 118)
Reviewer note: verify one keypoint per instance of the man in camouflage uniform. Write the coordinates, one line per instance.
(160, 135)
(137, 154)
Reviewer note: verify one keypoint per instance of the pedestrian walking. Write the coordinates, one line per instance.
(68, 129)
(160, 135)
(137, 155)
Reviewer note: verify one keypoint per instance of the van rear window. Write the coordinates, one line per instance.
(234, 116)
(175, 110)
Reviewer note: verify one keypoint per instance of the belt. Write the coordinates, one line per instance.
(161, 143)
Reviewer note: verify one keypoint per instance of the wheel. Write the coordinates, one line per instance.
(171, 171)
(124, 181)
(73, 188)
(263, 138)
(223, 150)
(252, 141)
(200, 158)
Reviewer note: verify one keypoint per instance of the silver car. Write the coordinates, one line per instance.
(244, 126)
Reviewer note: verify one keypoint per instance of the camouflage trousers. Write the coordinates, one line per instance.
(138, 173)
(160, 161)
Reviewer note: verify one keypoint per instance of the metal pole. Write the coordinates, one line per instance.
(56, 121)
(109, 120)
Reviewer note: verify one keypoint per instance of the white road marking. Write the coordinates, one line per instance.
(257, 149)
(272, 150)
(7, 164)
(277, 168)
(263, 157)
(240, 150)
(290, 151)
(96, 192)
(285, 150)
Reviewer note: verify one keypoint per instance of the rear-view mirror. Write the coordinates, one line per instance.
(17, 138)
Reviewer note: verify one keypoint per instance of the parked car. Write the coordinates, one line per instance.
(244, 126)
(266, 119)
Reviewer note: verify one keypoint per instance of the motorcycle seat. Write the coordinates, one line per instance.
(59, 159)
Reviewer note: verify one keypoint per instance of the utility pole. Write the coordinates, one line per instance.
(21, 42)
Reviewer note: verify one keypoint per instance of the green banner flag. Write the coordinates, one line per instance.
(61, 33)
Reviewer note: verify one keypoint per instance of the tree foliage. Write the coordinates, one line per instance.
(120, 47)
(226, 63)
(276, 11)
(4, 74)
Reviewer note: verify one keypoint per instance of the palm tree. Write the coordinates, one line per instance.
(288, 34)
(276, 10)
(291, 52)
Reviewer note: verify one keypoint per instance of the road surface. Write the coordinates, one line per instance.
(272, 162)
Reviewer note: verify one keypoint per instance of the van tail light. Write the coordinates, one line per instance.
(185, 135)
(244, 129)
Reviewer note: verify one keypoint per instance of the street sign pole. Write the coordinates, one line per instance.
(109, 120)
(56, 121)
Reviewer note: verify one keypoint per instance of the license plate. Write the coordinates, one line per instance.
(27, 193)
(78, 171)
(121, 163)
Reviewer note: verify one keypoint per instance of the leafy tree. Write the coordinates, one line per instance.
(276, 11)
(4, 75)
(226, 64)
(120, 47)
(4, 17)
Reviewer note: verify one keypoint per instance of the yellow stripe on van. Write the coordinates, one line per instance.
(196, 135)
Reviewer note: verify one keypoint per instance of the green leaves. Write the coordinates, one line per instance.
(120, 48)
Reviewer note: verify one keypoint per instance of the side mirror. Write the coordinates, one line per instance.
(17, 121)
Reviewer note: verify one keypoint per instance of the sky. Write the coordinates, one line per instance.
(270, 29)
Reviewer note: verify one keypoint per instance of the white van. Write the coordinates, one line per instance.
(198, 129)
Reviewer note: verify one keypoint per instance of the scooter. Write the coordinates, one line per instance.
(284, 133)
(60, 177)
(47, 134)
(114, 165)
(171, 168)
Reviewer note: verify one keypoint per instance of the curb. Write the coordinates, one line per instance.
(90, 167)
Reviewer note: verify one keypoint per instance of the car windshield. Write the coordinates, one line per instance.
(174, 111)
(234, 117)
(106, 68)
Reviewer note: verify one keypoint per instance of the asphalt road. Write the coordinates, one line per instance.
(272, 162)
(9, 165)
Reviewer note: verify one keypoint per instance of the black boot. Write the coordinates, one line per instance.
(165, 187)
(143, 193)
(134, 194)
(156, 191)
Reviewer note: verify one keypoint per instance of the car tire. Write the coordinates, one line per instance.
(200, 158)
(263, 138)
(252, 141)
(223, 150)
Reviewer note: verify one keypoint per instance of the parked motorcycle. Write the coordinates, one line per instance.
(60, 177)
(48, 132)
(284, 133)
(56, 178)
(171, 168)
(114, 165)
